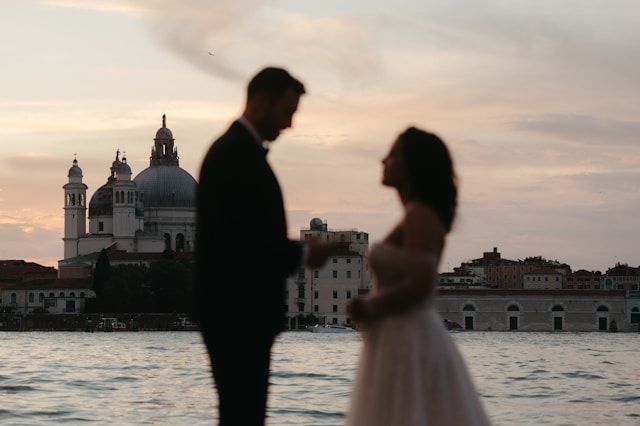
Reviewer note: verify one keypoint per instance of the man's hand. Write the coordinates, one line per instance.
(358, 310)
(318, 252)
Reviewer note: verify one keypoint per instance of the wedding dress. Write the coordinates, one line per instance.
(410, 371)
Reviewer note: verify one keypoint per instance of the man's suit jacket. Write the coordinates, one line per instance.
(243, 255)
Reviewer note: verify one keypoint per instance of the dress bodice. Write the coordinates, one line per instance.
(392, 264)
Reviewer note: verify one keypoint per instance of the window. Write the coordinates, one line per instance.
(315, 294)
(334, 260)
(179, 242)
(62, 294)
(301, 274)
(335, 274)
(13, 298)
(557, 308)
(52, 295)
(334, 320)
(315, 274)
(72, 294)
(335, 294)
(468, 307)
(301, 292)
(32, 298)
(349, 260)
(602, 308)
(335, 308)
(348, 274)
(40, 297)
(348, 294)
(300, 307)
(315, 308)
(513, 308)
(82, 294)
(100, 226)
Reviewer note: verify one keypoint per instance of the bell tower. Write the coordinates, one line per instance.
(75, 210)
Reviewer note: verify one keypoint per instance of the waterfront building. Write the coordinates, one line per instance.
(621, 277)
(539, 310)
(583, 279)
(543, 279)
(154, 211)
(460, 277)
(499, 272)
(53, 296)
(323, 293)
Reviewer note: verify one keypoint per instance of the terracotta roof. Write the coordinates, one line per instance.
(522, 292)
(15, 270)
(123, 255)
(622, 271)
(543, 271)
(585, 273)
(57, 283)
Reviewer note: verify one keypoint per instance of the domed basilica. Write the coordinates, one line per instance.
(147, 214)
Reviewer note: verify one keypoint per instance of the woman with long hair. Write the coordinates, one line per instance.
(410, 371)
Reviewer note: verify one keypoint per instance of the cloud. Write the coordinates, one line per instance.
(246, 34)
(582, 129)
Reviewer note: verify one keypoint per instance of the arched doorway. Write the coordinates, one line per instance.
(558, 317)
(513, 317)
(603, 317)
(179, 243)
(469, 313)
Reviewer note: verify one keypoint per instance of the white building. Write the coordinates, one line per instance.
(325, 292)
(55, 296)
(146, 214)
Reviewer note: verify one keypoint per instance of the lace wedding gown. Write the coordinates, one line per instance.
(410, 371)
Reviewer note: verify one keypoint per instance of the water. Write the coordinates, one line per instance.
(163, 378)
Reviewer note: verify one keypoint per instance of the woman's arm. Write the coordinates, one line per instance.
(423, 241)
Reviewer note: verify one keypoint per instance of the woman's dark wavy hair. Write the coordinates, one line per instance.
(430, 174)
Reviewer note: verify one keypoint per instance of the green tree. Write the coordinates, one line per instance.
(170, 283)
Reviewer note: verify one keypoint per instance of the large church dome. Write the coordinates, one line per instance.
(166, 186)
(164, 183)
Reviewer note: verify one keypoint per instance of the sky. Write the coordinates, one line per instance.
(537, 101)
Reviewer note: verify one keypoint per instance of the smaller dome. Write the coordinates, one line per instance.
(164, 133)
(101, 203)
(124, 168)
(316, 224)
(75, 171)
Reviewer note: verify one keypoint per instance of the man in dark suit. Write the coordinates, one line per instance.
(243, 255)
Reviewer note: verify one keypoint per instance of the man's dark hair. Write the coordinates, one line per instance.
(274, 81)
(430, 173)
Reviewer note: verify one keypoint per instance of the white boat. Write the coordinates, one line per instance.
(330, 328)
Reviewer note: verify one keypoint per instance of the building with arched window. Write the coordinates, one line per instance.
(151, 212)
(539, 310)
(54, 295)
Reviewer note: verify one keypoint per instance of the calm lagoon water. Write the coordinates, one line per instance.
(163, 378)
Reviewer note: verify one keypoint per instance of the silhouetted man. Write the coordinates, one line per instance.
(243, 254)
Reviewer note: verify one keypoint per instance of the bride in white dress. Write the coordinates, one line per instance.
(410, 371)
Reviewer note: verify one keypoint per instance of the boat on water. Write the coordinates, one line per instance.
(111, 324)
(330, 328)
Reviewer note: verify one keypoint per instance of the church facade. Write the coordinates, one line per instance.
(149, 213)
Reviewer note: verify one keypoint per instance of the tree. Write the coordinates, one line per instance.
(101, 273)
(170, 284)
